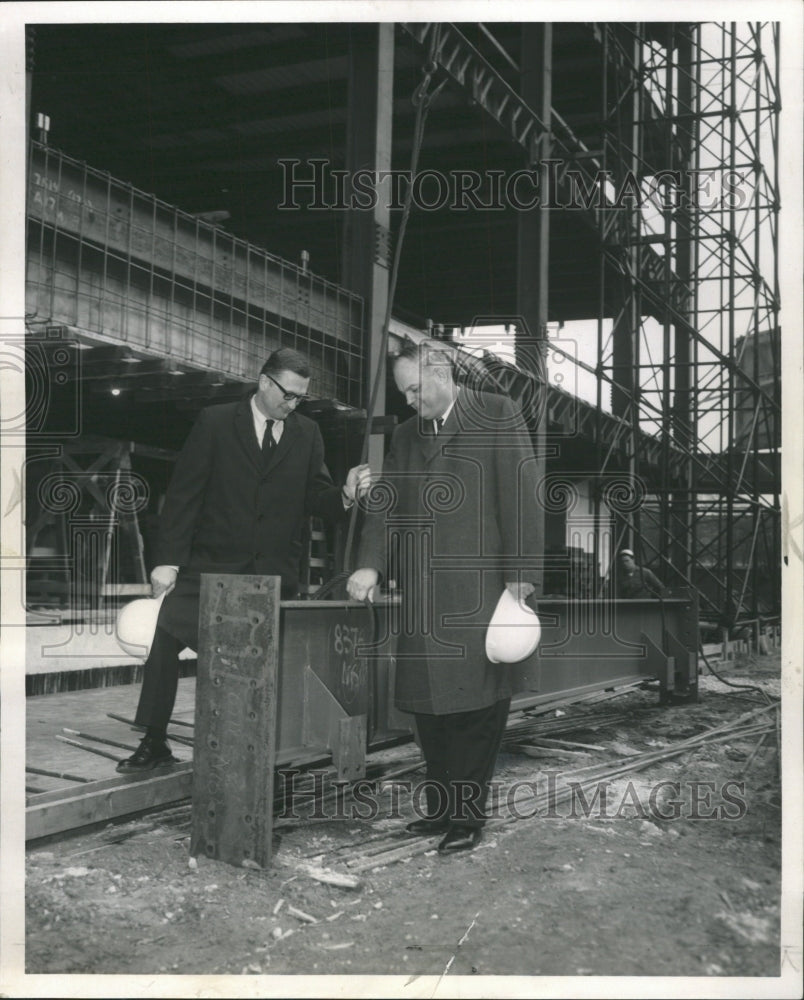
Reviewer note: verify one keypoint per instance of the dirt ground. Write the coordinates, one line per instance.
(632, 889)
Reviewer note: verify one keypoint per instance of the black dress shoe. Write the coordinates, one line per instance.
(460, 838)
(152, 752)
(427, 827)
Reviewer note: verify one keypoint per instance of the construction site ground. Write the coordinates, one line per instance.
(630, 889)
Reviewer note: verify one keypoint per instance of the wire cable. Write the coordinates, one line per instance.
(746, 687)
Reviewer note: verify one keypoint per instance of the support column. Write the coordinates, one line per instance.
(367, 241)
(533, 243)
(682, 548)
(235, 719)
(623, 241)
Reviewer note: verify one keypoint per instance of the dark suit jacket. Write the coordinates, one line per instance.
(460, 508)
(227, 510)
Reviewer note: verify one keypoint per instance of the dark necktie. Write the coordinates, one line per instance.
(268, 438)
(439, 424)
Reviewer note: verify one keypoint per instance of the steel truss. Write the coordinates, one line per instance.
(689, 117)
(691, 111)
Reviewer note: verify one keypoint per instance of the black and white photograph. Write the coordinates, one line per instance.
(402, 499)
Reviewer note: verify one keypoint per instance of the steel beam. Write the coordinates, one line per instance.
(527, 126)
(235, 718)
(533, 248)
(316, 685)
(146, 273)
(367, 247)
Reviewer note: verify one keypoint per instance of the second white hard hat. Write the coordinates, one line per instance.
(514, 631)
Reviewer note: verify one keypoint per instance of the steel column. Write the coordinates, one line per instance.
(367, 243)
(235, 719)
(533, 243)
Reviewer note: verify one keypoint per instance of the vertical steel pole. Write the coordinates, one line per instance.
(533, 241)
(732, 612)
(365, 260)
(685, 136)
(235, 724)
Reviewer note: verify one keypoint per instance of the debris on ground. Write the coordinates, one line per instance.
(686, 823)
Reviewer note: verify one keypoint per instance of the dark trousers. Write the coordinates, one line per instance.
(176, 627)
(460, 751)
(160, 680)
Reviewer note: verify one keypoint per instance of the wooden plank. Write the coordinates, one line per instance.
(236, 695)
(349, 751)
(105, 800)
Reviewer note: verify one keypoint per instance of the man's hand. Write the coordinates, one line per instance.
(519, 591)
(163, 579)
(358, 482)
(361, 584)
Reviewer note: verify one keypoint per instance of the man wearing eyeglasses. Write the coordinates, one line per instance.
(248, 477)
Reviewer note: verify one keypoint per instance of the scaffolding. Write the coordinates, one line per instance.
(677, 175)
(689, 124)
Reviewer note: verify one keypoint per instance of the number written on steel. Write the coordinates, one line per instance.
(352, 672)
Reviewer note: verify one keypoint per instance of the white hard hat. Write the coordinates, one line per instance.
(514, 630)
(136, 625)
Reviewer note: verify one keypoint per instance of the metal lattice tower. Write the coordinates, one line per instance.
(690, 126)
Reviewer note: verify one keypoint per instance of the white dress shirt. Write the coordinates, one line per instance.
(444, 415)
(259, 424)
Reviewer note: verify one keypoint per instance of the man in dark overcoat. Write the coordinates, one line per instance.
(457, 499)
(249, 475)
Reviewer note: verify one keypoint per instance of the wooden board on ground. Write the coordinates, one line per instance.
(56, 812)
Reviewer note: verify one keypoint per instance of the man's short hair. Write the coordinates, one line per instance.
(286, 360)
(427, 353)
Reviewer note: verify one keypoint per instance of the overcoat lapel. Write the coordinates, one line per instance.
(432, 444)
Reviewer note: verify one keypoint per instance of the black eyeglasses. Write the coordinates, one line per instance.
(299, 397)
